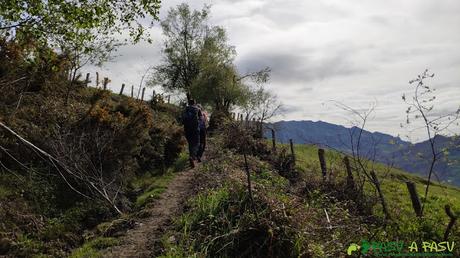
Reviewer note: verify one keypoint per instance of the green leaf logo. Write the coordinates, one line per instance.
(353, 247)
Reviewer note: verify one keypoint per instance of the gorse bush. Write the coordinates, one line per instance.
(28, 66)
(81, 153)
(166, 139)
(240, 137)
(97, 139)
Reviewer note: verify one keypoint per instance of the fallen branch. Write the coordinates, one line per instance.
(94, 184)
(44, 153)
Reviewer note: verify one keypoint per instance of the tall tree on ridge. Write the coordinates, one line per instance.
(184, 30)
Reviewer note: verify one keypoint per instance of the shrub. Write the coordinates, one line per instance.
(221, 223)
(98, 142)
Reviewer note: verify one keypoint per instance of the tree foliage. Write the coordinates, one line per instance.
(261, 105)
(199, 61)
(184, 31)
(83, 31)
(53, 20)
(216, 83)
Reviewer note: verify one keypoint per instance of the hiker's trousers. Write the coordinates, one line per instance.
(193, 140)
(202, 145)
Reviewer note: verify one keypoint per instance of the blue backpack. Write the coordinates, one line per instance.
(190, 118)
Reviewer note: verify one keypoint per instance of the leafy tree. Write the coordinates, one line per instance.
(220, 85)
(216, 83)
(199, 62)
(261, 104)
(184, 30)
(54, 20)
(79, 53)
(82, 31)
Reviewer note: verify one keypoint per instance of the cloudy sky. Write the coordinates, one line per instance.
(352, 51)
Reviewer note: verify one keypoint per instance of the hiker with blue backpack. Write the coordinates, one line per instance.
(191, 120)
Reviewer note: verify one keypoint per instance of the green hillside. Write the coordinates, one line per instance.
(295, 213)
(410, 157)
(393, 183)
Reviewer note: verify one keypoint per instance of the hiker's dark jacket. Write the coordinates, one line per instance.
(191, 125)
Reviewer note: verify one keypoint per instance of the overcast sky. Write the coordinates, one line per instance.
(355, 52)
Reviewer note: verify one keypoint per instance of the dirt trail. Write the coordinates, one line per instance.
(140, 240)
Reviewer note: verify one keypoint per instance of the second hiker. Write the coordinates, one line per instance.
(203, 126)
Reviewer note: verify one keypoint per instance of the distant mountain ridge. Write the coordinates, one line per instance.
(413, 158)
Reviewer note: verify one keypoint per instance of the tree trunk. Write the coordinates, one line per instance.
(322, 163)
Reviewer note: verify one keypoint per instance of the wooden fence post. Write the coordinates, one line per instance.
(350, 180)
(248, 175)
(142, 96)
(87, 80)
(414, 198)
(273, 140)
(122, 88)
(379, 191)
(97, 80)
(169, 99)
(452, 217)
(241, 118)
(291, 143)
(106, 81)
(322, 162)
(132, 91)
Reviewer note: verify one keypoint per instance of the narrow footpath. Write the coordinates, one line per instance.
(140, 241)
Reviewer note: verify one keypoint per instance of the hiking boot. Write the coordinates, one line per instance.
(192, 163)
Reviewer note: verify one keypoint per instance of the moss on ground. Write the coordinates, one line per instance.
(92, 249)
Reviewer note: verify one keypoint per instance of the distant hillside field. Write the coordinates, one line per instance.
(388, 149)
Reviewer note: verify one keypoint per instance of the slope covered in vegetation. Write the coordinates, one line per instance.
(69, 163)
(293, 212)
(131, 148)
(81, 167)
